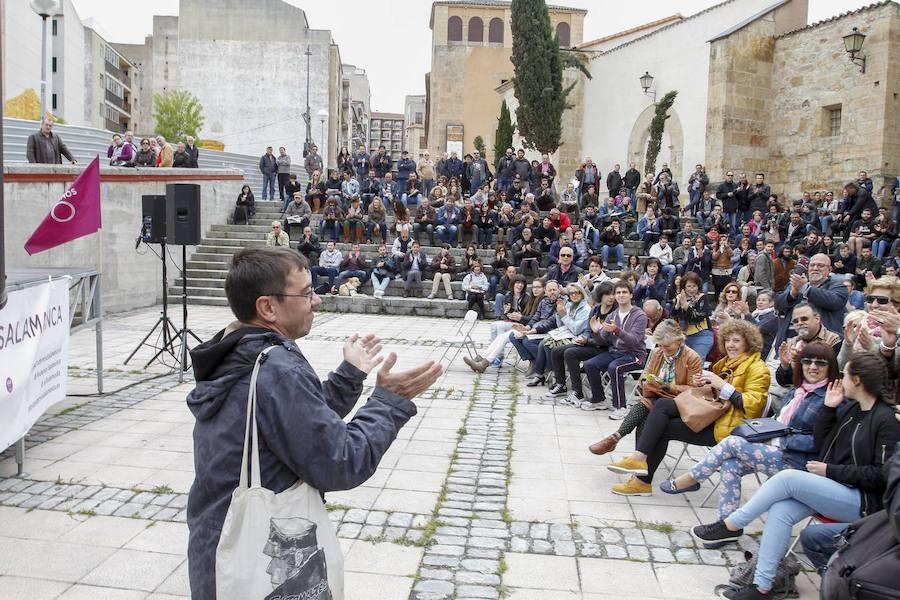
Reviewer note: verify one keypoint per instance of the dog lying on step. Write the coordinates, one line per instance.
(350, 287)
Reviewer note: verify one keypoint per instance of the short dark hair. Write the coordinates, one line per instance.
(816, 350)
(256, 272)
(623, 284)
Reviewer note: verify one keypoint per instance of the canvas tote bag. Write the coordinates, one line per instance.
(275, 546)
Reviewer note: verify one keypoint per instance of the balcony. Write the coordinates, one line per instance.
(114, 100)
(113, 126)
(117, 73)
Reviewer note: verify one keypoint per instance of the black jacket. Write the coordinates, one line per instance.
(729, 203)
(856, 445)
(632, 179)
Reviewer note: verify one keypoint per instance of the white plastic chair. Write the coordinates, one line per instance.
(461, 338)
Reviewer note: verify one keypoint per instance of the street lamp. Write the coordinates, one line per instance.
(853, 43)
(44, 9)
(306, 117)
(647, 81)
(323, 116)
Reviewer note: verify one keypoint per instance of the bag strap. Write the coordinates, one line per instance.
(255, 477)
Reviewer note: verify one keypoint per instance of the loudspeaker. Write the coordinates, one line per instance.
(153, 213)
(183, 214)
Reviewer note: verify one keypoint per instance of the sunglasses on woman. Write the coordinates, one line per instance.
(879, 299)
(817, 362)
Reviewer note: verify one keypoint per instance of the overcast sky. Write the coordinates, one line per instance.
(396, 32)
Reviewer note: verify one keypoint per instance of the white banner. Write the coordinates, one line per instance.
(34, 356)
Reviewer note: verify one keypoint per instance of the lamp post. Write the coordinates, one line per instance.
(323, 116)
(306, 117)
(853, 43)
(44, 9)
(646, 81)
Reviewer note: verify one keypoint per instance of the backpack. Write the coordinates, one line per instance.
(784, 586)
(867, 562)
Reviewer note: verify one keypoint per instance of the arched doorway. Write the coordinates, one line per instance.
(672, 149)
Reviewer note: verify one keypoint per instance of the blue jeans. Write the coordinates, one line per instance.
(789, 497)
(694, 196)
(700, 342)
(331, 272)
(382, 229)
(269, 184)
(380, 284)
(447, 233)
(619, 251)
(819, 542)
(825, 222)
(498, 304)
(617, 364)
(879, 247)
(594, 238)
(485, 236)
(669, 272)
(527, 349)
(412, 200)
(335, 228)
(732, 218)
(345, 275)
(427, 227)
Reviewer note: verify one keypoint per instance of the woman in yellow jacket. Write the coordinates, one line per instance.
(741, 377)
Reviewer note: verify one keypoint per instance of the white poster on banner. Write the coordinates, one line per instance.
(34, 356)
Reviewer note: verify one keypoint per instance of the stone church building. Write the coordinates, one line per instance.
(759, 90)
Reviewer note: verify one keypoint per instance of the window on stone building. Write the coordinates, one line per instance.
(476, 29)
(495, 31)
(53, 101)
(54, 26)
(53, 64)
(834, 121)
(419, 118)
(564, 33)
(454, 29)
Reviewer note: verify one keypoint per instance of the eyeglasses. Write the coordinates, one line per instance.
(569, 255)
(731, 292)
(799, 320)
(815, 362)
(309, 294)
(879, 299)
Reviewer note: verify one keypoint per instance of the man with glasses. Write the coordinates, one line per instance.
(277, 237)
(478, 172)
(565, 272)
(806, 321)
(300, 419)
(824, 291)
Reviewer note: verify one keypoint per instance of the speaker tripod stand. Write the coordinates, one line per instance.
(169, 333)
(185, 331)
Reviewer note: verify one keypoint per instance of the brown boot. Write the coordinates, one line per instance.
(345, 228)
(471, 364)
(604, 446)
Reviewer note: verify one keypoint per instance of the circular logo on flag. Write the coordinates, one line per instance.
(58, 219)
(9, 384)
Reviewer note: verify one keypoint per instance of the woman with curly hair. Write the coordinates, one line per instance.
(735, 457)
(741, 378)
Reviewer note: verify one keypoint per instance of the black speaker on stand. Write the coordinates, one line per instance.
(153, 231)
(183, 229)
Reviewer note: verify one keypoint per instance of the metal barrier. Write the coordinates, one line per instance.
(86, 142)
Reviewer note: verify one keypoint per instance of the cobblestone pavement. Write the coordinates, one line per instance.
(489, 492)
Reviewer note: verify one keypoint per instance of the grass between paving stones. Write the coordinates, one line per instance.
(332, 506)
(72, 408)
(661, 526)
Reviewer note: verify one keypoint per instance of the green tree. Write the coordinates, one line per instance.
(478, 142)
(503, 138)
(538, 82)
(178, 114)
(657, 126)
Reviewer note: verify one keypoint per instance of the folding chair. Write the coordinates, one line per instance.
(461, 338)
(767, 411)
(814, 518)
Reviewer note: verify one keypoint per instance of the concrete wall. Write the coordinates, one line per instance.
(130, 279)
(68, 81)
(811, 73)
(21, 38)
(678, 58)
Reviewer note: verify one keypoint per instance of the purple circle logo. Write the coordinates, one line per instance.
(9, 384)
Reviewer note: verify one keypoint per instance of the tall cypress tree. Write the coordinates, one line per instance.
(538, 76)
(503, 138)
(478, 144)
(657, 126)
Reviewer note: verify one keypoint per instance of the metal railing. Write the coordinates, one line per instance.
(86, 142)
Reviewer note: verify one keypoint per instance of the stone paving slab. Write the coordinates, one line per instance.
(488, 492)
